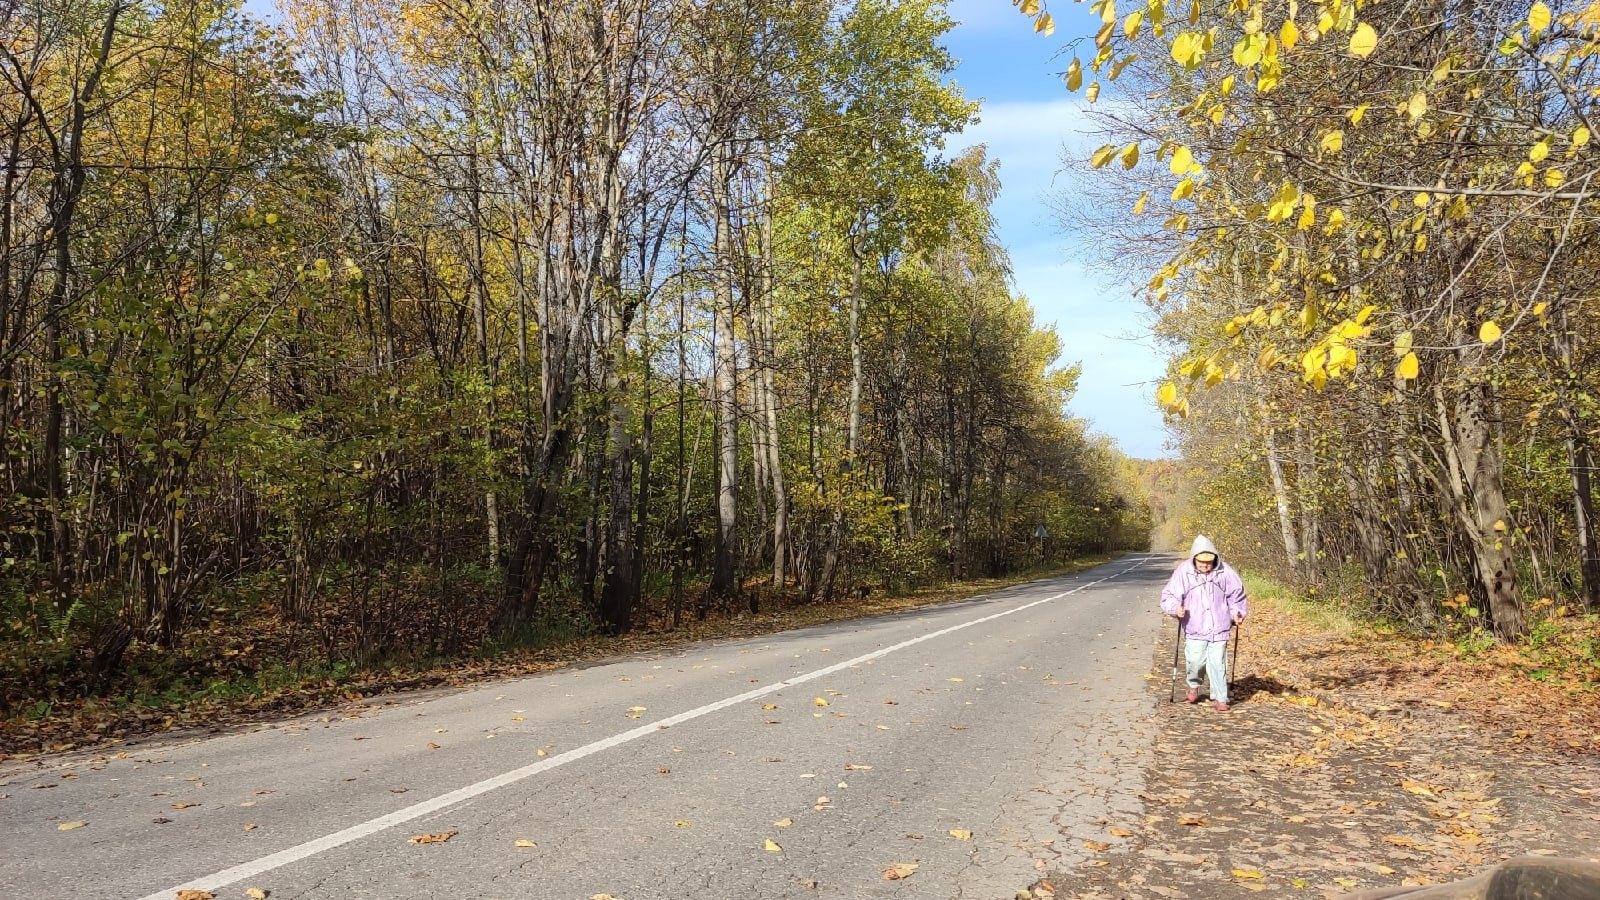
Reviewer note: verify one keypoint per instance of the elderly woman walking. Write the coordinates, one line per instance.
(1207, 598)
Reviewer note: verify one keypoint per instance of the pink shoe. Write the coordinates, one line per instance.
(1222, 707)
(1192, 695)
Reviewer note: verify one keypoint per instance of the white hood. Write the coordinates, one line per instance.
(1202, 544)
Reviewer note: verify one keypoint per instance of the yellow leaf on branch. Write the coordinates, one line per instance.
(1363, 41)
(1489, 332)
(1538, 19)
(1182, 161)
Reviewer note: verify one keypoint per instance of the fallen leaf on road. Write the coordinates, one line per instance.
(1097, 846)
(433, 746)
(784, 823)
(899, 871)
(772, 846)
(853, 767)
(250, 826)
(819, 701)
(248, 803)
(1347, 882)
(1193, 820)
(681, 824)
(958, 679)
(196, 895)
(1418, 788)
(183, 805)
(439, 838)
(524, 842)
(68, 826)
(256, 893)
(961, 834)
(769, 706)
(1121, 832)
(637, 708)
(1247, 873)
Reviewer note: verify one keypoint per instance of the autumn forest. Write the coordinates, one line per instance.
(392, 331)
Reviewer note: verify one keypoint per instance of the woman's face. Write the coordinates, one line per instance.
(1204, 565)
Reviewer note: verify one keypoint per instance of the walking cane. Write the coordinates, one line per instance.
(1233, 667)
(1177, 643)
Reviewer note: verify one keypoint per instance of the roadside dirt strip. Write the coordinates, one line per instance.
(1307, 794)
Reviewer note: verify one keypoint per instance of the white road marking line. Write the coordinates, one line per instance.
(219, 880)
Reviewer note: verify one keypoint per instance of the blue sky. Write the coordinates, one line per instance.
(1027, 118)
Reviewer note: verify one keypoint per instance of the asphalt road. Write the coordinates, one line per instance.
(801, 764)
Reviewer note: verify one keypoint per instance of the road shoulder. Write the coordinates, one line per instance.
(1304, 790)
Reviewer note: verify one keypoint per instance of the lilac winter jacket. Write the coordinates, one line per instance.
(1212, 600)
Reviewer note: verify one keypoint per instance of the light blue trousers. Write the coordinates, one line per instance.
(1213, 657)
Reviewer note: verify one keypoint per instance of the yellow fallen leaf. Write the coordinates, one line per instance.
(68, 826)
(1347, 882)
(637, 708)
(439, 838)
(772, 846)
(681, 824)
(818, 701)
(1247, 873)
(183, 805)
(519, 718)
(855, 767)
(1097, 846)
(899, 871)
(188, 894)
(784, 823)
(1121, 832)
(1193, 820)
(1385, 870)
(958, 680)
(961, 834)
(769, 706)
(524, 842)
(1418, 788)
(256, 893)
(250, 826)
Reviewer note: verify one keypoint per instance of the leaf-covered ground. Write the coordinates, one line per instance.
(253, 644)
(1352, 761)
